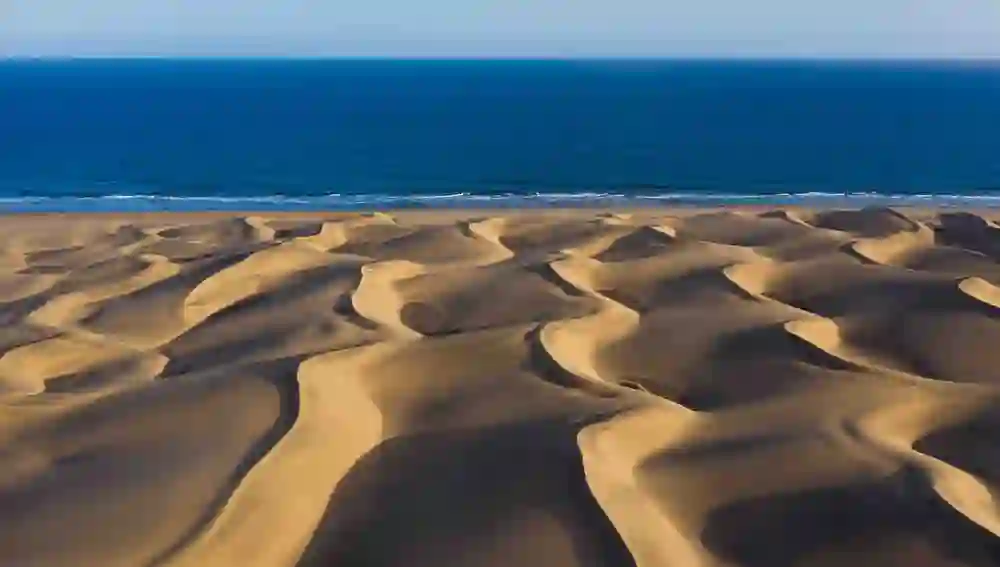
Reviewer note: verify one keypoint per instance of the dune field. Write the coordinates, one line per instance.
(676, 388)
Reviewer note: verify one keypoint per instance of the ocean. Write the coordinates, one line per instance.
(160, 134)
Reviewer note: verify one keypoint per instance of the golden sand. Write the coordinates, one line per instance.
(703, 388)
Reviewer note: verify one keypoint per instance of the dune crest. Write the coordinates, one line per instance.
(647, 388)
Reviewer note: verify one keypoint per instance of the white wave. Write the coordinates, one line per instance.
(145, 201)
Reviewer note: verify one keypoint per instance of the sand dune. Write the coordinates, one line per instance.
(703, 388)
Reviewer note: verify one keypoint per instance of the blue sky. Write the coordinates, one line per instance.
(837, 28)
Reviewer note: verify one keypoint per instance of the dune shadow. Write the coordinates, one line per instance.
(793, 529)
(969, 231)
(504, 495)
(282, 374)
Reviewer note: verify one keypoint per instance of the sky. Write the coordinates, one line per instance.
(518, 28)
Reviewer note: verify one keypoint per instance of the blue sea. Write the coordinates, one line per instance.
(160, 134)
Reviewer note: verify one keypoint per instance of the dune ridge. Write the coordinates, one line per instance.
(704, 388)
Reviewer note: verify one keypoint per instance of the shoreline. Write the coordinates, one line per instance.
(984, 199)
(466, 212)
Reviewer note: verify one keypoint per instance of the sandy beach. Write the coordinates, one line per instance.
(677, 388)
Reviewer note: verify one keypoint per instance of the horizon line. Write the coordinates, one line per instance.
(500, 57)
